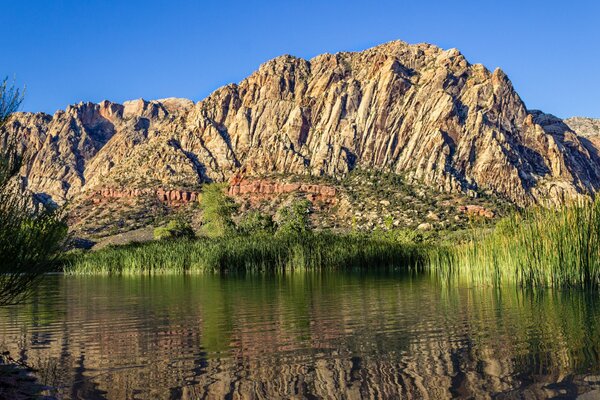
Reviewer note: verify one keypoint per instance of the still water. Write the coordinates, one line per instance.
(304, 335)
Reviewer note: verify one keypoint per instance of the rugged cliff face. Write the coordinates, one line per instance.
(588, 129)
(415, 110)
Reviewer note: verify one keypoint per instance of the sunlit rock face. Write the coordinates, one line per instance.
(588, 129)
(416, 110)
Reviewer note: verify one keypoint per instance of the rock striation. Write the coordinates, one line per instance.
(415, 110)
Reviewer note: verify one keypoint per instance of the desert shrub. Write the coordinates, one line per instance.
(177, 228)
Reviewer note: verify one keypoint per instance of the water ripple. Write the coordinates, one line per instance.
(305, 336)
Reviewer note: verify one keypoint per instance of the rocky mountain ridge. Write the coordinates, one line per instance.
(586, 127)
(415, 110)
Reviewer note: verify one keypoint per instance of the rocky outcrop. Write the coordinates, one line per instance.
(586, 127)
(476, 210)
(237, 188)
(172, 196)
(415, 110)
(268, 188)
(108, 193)
(176, 196)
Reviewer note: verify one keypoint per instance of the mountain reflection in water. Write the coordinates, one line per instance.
(304, 335)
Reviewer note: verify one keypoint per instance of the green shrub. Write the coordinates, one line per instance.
(174, 229)
(256, 222)
(217, 211)
(294, 219)
(30, 239)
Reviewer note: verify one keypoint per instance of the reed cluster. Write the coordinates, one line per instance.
(250, 253)
(539, 247)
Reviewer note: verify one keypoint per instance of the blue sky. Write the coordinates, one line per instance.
(87, 50)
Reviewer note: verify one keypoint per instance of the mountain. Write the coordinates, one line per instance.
(586, 128)
(418, 111)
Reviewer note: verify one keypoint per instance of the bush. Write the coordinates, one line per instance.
(400, 235)
(294, 219)
(256, 222)
(174, 229)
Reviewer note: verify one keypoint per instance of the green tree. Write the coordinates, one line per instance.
(177, 228)
(256, 222)
(29, 239)
(294, 219)
(217, 211)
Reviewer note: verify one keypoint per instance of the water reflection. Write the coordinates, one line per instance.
(304, 335)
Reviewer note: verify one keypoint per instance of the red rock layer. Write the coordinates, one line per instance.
(266, 188)
(476, 210)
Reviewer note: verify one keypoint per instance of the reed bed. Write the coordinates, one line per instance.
(255, 253)
(537, 248)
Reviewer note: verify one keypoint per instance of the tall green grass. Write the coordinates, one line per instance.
(537, 248)
(254, 253)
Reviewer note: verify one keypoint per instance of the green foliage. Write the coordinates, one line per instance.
(29, 242)
(506, 226)
(177, 228)
(29, 239)
(251, 253)
(10, 100)
(255, 222)
(388, 222)
(217, 211)
(294, 219)
(406, 236)
(538, 248)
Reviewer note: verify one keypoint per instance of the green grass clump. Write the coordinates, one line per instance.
(250, 253)
(537, 248)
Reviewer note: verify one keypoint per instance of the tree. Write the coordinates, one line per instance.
(217, 211)
(294, 219)
(256, 222)
(29, 239)
(177, 228)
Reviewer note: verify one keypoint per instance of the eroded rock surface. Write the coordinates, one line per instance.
(415, 110)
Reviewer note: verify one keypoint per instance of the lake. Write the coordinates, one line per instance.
(332, 335)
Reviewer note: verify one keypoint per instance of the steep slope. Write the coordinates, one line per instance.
(588, 129)
(415, 110)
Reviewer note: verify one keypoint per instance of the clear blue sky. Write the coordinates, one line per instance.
(69, 51)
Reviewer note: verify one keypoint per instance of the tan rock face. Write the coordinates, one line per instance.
(416, 110)
(588, 129)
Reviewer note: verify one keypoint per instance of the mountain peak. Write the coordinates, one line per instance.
(414, 110)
